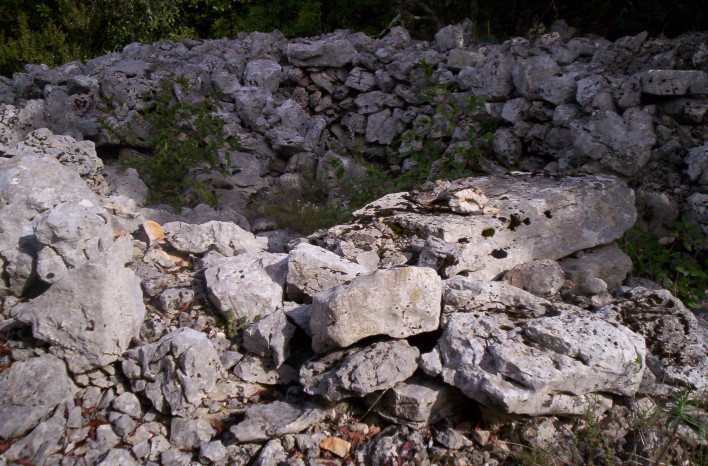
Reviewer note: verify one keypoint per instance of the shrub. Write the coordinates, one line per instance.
(187, 136)
(673, 261)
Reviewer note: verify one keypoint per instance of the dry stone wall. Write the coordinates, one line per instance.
(635, 107)
(134, 335)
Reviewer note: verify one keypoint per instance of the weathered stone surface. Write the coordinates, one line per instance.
(264, 73)
(491, 78)
(420, 401)
(190, 433)
(29, 391)
(274, 419)
(253, 104)
(540, 277)
(247, 285)
(270, 336)
(507, 147)
(361, 80)
(549, 365)
(524, 219)
(127, 403)
(676, 344)
(461, 294)
(272, 454)
(74, 231)
(224, 237)
(80, 156)
(332, 53)
(607, 262)
(45, 440)
(17, 122)
(126, 183)
(256, 369)
(540, 77)
(117, 456)
(176, 372)
(674, 82)
(31, 185)
(358, 371)
(90, 315)
(397, 302)
(383, 127)
(697, 161)
(622, 143)
(312, 269)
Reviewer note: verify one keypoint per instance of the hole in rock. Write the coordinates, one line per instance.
(425, 342)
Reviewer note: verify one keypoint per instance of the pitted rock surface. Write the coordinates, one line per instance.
(676, 344)
(549, 365)
(398, 302)
(175, 373)
(358, 371)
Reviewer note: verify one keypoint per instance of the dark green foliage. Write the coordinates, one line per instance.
(672, 262)
(435, 144)
(187, 136)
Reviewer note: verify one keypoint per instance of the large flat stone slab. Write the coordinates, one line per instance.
(486, 225)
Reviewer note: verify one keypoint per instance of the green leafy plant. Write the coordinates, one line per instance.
(672, 261)
(187, 135)
(682, 410)
(235, 326)
(593, 443)
(448, 144)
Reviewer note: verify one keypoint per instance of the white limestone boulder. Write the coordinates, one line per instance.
(562, 364)
(397, 302)
(247, 286)
(312, 269)
(176, 372)
(91, 314)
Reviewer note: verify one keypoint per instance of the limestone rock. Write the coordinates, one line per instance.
(398, 302)
(80, 156)
(674, 82)
(31, 185)
(126, 183)
(226, 238)
(274, 419)
(607, 262)
(45, 440)
(461, 294)
(333, 53)
(256, 369)
(270, 336)
(17, 122)
(176, 372)
(358, 371)
(676, 345)
(549, 365)
(540, 277)
(420, 401)
(622, 143)
(90, 315)
(248, 285)
(190, 433)
(539, 77)
(75, 231)
(490, 79)
(264, 73)
(29, 391)
(312, 269)
(525, 218)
